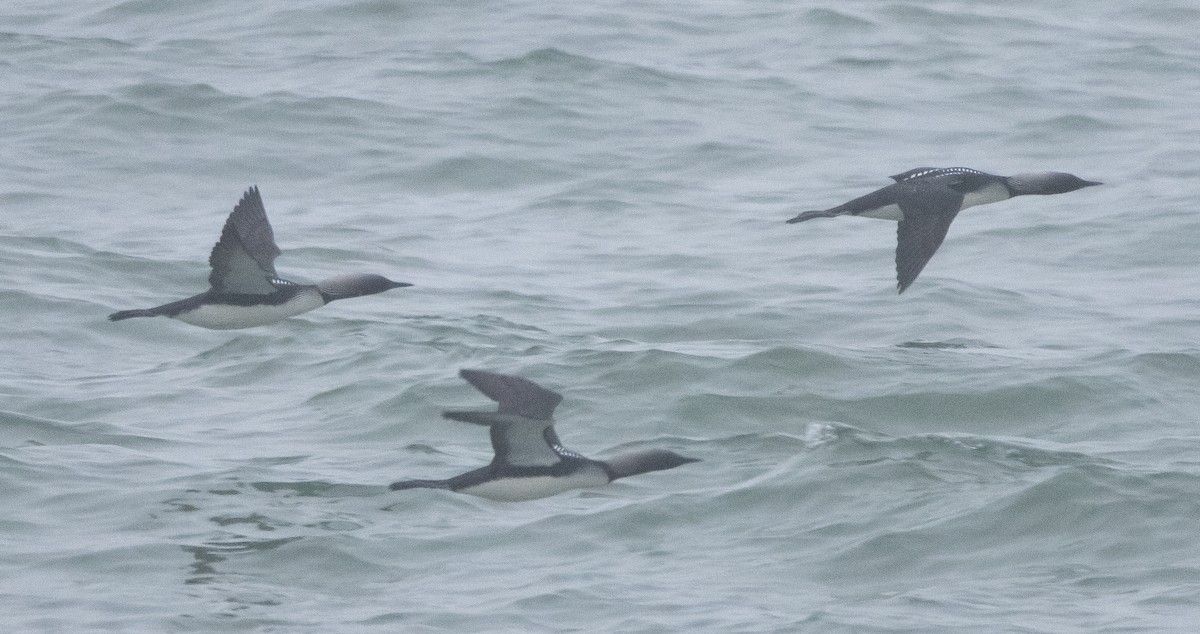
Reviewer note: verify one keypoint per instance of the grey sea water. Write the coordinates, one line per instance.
(593, 195)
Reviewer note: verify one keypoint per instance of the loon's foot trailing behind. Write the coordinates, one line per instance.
(420, 484)
(127, 314)
(809, 215)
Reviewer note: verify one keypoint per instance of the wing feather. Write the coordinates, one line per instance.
(929, 208)
(243, 260)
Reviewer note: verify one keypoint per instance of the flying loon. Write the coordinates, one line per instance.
(246, 291)
(530, 460)
(926, 199)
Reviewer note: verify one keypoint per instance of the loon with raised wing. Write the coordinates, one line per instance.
(530, 461)
(925, 201)
(245, 290)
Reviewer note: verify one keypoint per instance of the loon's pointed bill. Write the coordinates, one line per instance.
(245, 290)
(530, 461)
(925, 200)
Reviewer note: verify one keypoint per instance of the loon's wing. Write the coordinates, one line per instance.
(522, 428)
(243, 260)
(929, 206)
(514, 394)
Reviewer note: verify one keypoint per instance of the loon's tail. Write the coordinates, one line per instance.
(126, 314)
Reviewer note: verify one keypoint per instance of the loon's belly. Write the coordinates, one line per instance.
(995, 192)
(886, 212)
(518, 489)
(232, 316)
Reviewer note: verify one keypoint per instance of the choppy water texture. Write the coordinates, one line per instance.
(593, 195)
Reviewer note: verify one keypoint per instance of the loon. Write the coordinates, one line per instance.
(925, 200)
(531, 461)
(246, 291)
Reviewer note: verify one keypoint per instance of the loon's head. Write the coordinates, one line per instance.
(644, 462)
(356, 285)
(1047, 183)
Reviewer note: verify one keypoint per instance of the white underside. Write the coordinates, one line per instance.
(229, 317)
(887, 212)
(993, 193)
(990, 194)
(532, 488)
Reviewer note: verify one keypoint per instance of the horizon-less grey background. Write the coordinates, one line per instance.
(592, 196)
